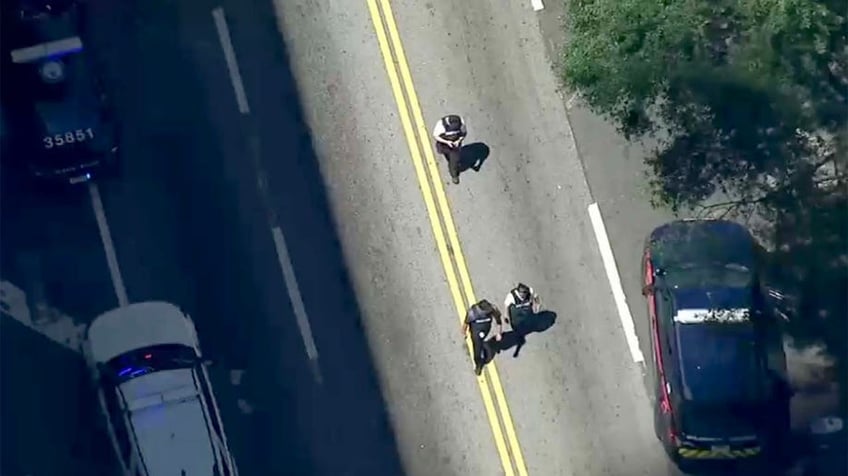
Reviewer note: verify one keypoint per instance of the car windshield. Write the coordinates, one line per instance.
(719, 363)
(700, 276)
(148, 360)
(62, 93)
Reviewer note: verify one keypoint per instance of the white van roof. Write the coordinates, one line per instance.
(137, 326)
(170, 423)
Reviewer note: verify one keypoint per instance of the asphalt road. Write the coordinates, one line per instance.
(576, 397)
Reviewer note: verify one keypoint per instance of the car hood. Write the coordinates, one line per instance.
(138, 326)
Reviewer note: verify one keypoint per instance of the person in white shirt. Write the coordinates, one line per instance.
(449, 132)
(521, 304)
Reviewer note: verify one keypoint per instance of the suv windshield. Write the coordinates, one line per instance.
(701, 276)
(62, 93)
(719, 363)
(148, 360)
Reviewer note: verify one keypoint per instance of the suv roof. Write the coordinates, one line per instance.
(718, 362)
(147, 355)
(170, 423)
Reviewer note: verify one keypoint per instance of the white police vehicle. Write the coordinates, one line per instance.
(154, 390)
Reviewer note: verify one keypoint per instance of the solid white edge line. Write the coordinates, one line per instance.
(570, 101)
(230, 57)
(295, 297)
(615, 282)
(537, 5)
(108, 246)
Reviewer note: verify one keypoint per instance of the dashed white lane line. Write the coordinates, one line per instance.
(230, 57)
(537, 5)
(106, 238)
(294, 294)
(571, 100)
(615, 282)
(283, 257)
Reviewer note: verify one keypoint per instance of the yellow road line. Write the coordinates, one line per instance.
(453, 236)
(435, 222)
(450, 227)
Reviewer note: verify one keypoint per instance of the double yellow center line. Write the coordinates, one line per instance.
(453, 262)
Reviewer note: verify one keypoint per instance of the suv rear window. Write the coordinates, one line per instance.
(62, 91)
(719, 363)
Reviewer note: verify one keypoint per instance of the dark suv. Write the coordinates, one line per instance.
(716, 398)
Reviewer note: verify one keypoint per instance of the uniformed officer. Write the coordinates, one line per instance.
(479, 319)
(521, 303)
(449, 133)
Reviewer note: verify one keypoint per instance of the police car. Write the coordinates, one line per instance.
(154, 391)
(715, 397)
(59, 119)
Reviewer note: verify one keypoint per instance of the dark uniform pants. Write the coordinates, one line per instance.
(519, 319)
(453, 157)
(481, 349)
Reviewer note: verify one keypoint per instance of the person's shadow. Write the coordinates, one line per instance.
(472, 156)
(517, 338)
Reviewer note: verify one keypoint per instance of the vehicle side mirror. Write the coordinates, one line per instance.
(648, 290)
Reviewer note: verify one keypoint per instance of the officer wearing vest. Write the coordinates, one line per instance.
(449, 133)
(479, 319)
(521, 304)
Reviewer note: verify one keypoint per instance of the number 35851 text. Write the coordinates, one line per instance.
(70, 137)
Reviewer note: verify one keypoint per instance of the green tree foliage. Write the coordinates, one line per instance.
(748, 101)
(752, 95)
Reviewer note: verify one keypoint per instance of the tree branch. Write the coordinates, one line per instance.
(731, 205)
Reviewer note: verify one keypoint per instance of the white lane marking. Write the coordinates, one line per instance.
(245, 406)
(295, 297)
(236, 376)
(537, 5)
(106, 238)
(570, 101)
(615, 282)
(262, 184)
(230, 57)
